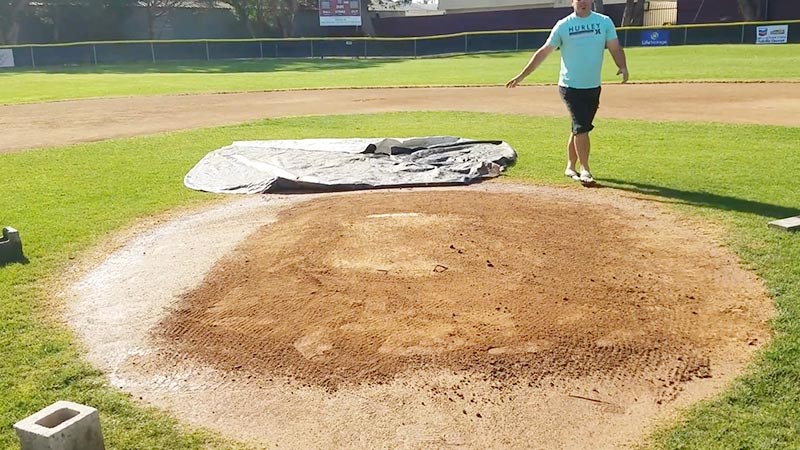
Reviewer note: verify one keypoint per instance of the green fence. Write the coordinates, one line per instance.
(37, 55)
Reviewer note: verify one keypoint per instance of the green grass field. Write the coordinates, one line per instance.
(724, 62)
(66, 200)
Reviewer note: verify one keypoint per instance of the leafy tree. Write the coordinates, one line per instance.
(71, 20)
(156, 9)
(11, 13)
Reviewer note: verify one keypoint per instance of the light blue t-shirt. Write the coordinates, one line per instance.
(582, 41)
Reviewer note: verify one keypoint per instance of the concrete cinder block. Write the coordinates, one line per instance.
(10, 246)
(787, 224)
(61, 426)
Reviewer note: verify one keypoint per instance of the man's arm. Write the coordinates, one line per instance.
(619, 58)
(535, 61)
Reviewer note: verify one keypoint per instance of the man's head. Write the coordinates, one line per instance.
(582, 7)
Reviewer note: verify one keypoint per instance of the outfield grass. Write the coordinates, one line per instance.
(65, 200)
(718, 62)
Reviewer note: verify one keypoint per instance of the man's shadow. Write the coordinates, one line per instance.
(704, 199)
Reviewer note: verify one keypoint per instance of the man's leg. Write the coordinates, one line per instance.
(572, 156)
(582, 146)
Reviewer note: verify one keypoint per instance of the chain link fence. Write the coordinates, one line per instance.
(92, 53)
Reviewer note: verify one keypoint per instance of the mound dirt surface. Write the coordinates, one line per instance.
(504, 287)
(491, 316)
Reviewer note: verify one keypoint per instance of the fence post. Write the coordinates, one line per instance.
(312, 47)
(365, 48)
(261, 49)
(516, 45)
(466, 43)
(33, 60)
(685, 35)
(94, 53)
(742, 42)
(208, 55)
(152, 52)
(415, 47)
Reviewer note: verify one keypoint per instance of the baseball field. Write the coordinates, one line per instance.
(658, 311)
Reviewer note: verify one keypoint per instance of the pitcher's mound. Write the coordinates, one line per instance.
(508, 288)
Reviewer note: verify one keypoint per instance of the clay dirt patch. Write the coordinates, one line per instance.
(508, 288)
(488, 316)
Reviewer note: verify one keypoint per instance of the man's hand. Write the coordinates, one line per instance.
(514, 81)
(624, 72)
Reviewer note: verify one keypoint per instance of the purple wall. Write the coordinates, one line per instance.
(519, 19)
(783, 9)
(708, 11)
(714, 11)
(689, 11)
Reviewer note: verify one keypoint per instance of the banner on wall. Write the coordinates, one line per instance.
(6, 57)
(655, 38)
(772, 34)
(346, 13)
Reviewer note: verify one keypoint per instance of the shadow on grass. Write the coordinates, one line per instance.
(315, 64)
(704, 199)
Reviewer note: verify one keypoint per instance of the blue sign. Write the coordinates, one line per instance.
(652, 38)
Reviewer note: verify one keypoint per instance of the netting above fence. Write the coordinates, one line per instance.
(363, 47)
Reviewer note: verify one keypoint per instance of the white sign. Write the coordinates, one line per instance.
(772, 34)
(6, 57)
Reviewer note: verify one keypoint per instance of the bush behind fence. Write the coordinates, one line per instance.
(88, 53)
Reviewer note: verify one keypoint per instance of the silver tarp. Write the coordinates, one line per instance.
(251, 167)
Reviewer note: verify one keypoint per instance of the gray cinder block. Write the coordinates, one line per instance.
(10, 246)
(61, 426)
(787, 224)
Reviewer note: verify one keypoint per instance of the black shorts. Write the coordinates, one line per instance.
(582, 105)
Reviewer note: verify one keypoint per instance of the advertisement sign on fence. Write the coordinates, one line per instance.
(655, 37)
(6, 57)
(333, 13)
(772, 34)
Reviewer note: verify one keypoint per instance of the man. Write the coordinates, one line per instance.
(582, 37)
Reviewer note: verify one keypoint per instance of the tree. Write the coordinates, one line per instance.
(11, 13)
(752, 9)
(268, 17)
(598, 6)
(156, 9)
(634, 13)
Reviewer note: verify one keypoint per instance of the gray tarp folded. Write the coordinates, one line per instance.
(251, 167)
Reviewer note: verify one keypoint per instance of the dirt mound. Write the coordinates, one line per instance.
(512, 289)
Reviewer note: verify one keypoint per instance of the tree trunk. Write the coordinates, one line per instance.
(633, 14)
(151, 24)
(638, 13)
(598, 6)
(243, 17)
(9, 29)
(366, 19)
(56, 23)
(751, 9)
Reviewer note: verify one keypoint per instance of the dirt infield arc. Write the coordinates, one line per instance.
(495, 316)
(67, 122)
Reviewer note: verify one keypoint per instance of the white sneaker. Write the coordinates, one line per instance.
(569, 173)
(586, 177)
